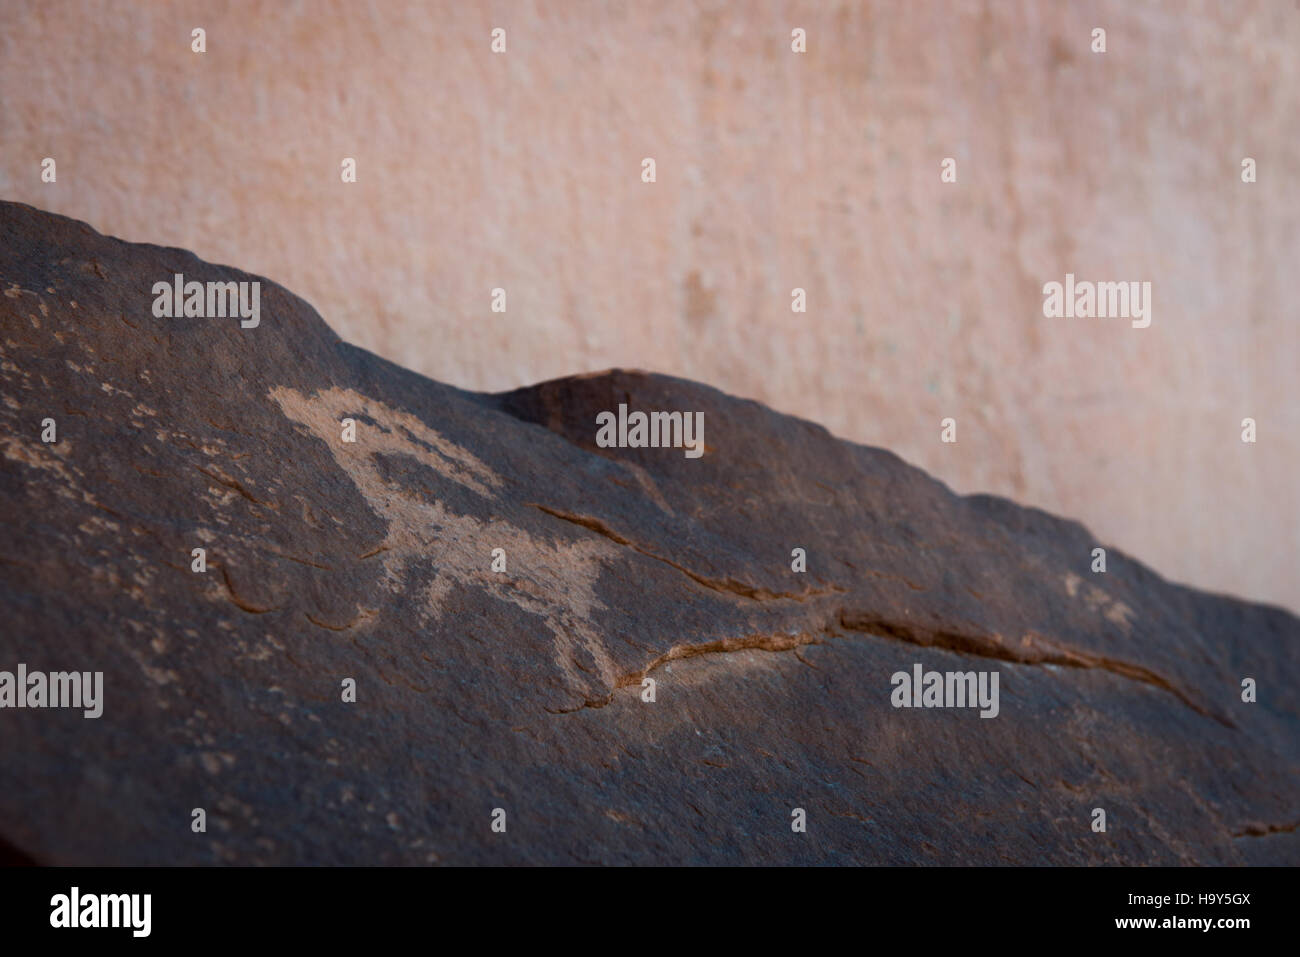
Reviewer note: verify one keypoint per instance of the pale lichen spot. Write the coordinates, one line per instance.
(1120, 614)
(1072, 583)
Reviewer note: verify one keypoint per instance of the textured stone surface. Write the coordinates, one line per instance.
(479, 690)
(522, 171)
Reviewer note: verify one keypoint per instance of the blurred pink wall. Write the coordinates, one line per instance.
(775, 170)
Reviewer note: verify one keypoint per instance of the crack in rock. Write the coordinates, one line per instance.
(725, 585)
(1035, 650)
(1265, 830)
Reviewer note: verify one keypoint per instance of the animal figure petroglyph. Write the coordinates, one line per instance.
(554, 581)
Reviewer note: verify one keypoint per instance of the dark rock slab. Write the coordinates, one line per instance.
(522, 690)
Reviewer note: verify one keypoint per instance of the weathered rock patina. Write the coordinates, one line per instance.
(523, 689)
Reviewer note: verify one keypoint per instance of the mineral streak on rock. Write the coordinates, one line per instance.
(479, 689)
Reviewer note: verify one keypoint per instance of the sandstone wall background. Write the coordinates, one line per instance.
(775, 170)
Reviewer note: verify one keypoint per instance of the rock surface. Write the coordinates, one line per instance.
(522, 690)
